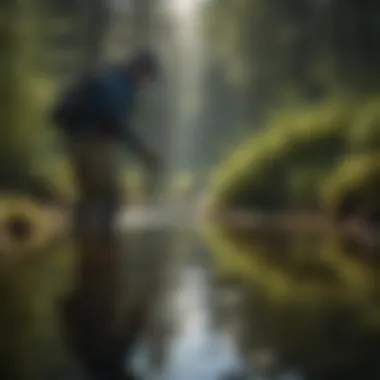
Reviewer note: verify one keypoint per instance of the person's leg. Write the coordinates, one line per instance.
(84, 210)
(96, 165)
(108, 188)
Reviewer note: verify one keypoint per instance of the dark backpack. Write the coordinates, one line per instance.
(75, 102)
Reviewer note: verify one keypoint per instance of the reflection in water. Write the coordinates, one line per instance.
(194, 350)
(116, 291)
(90, 313)
(314, 307)
(249, 306)
(30, 345)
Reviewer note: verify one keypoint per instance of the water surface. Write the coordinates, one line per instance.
(225, 304)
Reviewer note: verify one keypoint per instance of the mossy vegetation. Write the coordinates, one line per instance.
(27, 226)
(311, 158)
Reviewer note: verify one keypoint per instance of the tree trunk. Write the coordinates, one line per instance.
(95, 18)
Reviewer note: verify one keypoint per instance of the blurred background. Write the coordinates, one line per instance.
(262, 259)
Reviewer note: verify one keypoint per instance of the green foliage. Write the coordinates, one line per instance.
(364, 132)
(317, 157)
(29, 84)
(276, 45)
(180, 183)
(284, 165)
(133, 184)
(354, 187)
(265, 54)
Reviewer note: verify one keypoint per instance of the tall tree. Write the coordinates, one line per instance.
(94, 15)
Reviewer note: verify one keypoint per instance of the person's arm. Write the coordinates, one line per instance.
(114, 114)
(137, 145)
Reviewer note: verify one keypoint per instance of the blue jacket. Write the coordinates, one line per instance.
(102, 105)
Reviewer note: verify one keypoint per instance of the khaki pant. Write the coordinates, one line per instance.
(96, 165)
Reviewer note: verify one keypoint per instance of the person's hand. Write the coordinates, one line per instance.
(151, 160)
